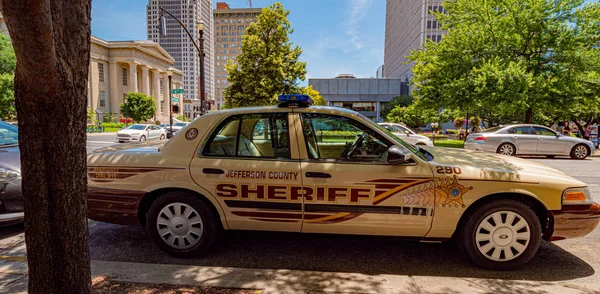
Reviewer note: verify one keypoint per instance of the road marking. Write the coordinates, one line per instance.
(101, 142)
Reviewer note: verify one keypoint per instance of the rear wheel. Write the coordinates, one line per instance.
(501, 235)
(181, 224)
(579, 152)
(506, 149)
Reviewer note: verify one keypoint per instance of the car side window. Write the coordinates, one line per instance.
(338, 138)
(544, 132)
(521, 131)
(251, 135)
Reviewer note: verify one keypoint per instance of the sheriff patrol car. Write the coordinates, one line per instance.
(300, 168)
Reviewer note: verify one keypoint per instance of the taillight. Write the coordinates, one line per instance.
(482, 138)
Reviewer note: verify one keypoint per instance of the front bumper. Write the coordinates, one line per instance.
(128, 139)
(574, 221)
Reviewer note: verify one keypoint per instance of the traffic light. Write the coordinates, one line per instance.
(175, 108)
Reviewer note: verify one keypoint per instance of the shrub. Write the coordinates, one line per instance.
(129, 120)
(451, 131)
(113, 125)
(337, 133)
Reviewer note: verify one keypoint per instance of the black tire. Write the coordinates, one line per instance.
(210, 224)
(466, 237)
(505, 146)
(121, 141)
(576, 152)
(143, 138)
(550, 156)
(162, 137)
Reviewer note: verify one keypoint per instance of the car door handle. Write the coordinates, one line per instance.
(213, 171)
(318, 175)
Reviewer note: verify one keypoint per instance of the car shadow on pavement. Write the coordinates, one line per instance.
(333, 253)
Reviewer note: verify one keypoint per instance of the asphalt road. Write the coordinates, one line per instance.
(575, 260)
(96, 141)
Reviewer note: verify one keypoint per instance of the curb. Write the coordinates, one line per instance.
(13, 279)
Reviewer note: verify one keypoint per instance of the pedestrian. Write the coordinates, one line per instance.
(566, 130)
(586, 132)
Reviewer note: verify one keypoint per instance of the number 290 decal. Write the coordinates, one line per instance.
(448, 170)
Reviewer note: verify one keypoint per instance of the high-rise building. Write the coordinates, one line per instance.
(408, 24)
(230, 25)
(178, 44)
(379, 73)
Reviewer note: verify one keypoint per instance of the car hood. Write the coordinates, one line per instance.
(129, 131)
(10, 158)
(491, 166)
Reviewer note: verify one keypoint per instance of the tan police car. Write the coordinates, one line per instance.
(311, 169)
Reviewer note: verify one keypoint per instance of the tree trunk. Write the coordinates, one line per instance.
(52, 44)
(529, 115)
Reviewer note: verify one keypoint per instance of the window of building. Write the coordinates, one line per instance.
(429, 24)
(364, 145)
(101, 72)
(124, 73)
(252, 135)
(102, 99)
(356, 106)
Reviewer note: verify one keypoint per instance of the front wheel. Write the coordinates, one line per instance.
(501, 235)
(506, 149)
(162, 137)
(143, 138)
(181, 224)
(579, 152)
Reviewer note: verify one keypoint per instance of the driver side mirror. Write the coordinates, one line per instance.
(397, 155)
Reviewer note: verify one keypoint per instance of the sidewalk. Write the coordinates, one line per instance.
(13, 279)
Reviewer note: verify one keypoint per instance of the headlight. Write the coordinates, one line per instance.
(7, 176)
(577, 196)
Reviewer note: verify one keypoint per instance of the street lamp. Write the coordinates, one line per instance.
(170, 74)
(200, 26)
(126, 111)
(434, 129)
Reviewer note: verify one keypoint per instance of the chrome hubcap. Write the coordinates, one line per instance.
(502, 236)
(179, 225)
(506, 150)
(580, 152)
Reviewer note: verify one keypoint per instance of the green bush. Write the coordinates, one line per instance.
(436, 136)
(337, 133)
(451, 131)
(450, 143)
(113, 125)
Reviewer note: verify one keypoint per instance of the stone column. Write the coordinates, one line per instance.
(145, 81)
(133, 87)
(156, 91)
(166, 95)
(113, 88)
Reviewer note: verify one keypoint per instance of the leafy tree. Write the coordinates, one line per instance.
(402, 101)
(8, 59)
(509, 59)
(52, 43)
(417, 115)
(314, 95)
(268, 65)
(182, 117)
(139, 106)
(7, 97)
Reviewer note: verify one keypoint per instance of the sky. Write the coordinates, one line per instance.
(336, 36)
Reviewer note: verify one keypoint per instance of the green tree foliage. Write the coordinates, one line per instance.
(401, 101)
(268, 65)
(182, 117)
(7, 97)
(8, 63)
(509, 59)
(417, 115)
(139, 106)
(314, 95)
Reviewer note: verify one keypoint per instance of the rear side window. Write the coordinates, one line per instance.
(521, 131)
(251, 135)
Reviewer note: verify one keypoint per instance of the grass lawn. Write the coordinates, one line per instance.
(450, 143)
(111, 130)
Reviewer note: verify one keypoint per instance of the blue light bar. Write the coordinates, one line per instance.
(294, 100)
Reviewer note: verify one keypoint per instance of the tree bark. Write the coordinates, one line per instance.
(529, 116)
(52, 44)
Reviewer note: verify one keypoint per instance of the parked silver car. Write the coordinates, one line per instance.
(529, 140)
(406, 134)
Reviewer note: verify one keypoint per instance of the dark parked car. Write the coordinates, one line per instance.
(11, 201)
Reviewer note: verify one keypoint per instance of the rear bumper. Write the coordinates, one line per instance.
(480, 147)
(114, 206)
(574, 221)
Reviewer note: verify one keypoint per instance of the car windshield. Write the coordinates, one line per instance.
(180, 124)
(137, 127)
(9, 134)
(408, 146)
(493, 129)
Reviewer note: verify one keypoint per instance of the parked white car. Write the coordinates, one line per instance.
(141, 132)
(178, 126)
(406, 134)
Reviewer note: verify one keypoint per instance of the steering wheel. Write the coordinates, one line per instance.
(348, 151)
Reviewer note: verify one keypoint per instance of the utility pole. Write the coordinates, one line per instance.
(170, 107)
(201, 55)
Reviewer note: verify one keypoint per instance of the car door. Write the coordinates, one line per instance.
(350, 188)
(549, 142)
(151, 132)
(524, 139)
(254, 186)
